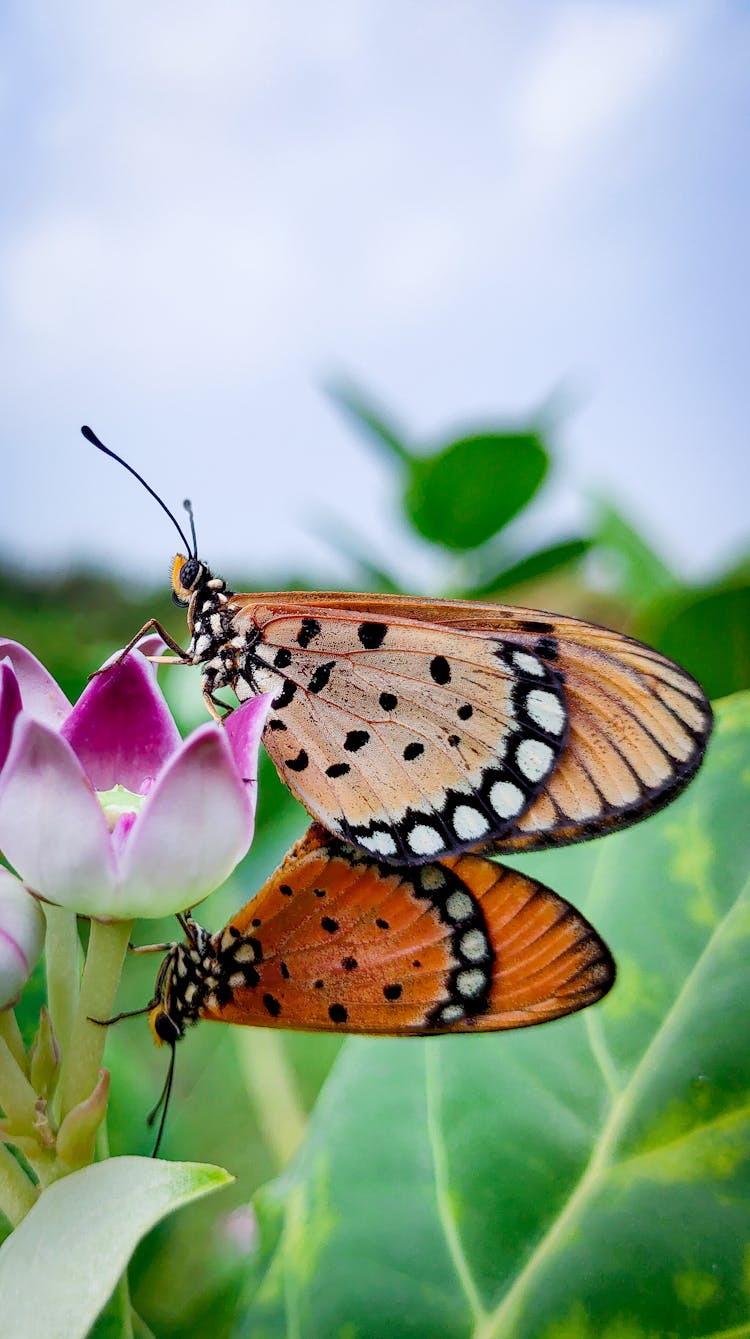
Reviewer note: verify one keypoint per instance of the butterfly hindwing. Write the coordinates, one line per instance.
(379, 749)
(338, 942)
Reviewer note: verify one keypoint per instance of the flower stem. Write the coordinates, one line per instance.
(62, 956)
(11, 1035)
(83, 1057)
(17, 1194)
(17, 1097)
(272, 1085)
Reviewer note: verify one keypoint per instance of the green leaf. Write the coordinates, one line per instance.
(637, 573)
(589, 1179)
(61, 1264)
(368, 418)
(531, 568)
(706, 631)
(463, 495)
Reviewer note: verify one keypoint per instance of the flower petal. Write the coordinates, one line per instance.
(41, 696)
(10, 706)
(52, 828)
(195, 825)
(243, 728)
(21, 937)
(121, 728)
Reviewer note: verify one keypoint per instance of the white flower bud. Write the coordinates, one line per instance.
(21, 937)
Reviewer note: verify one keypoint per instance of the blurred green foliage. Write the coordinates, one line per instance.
(459, 498)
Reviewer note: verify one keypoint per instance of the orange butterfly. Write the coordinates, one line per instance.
(415, 729)
(338, 942)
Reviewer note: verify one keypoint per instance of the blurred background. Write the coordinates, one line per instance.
(446, 298)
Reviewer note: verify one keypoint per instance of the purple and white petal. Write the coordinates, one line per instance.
(121, 728)
(244, 728)
(10, 707)
(41, 696)
(52, 827)
(195, 825)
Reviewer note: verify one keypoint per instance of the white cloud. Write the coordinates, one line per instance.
(595, 66)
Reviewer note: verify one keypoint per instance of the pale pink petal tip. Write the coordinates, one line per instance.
(121, 728)
(244, 729)
(41, 696)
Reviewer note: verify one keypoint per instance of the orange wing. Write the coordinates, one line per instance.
(338, 942)
(608, 729)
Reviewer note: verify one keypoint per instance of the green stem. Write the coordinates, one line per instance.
(63, 962)
(17, 1097)
(271, 1083)
(17, 1194)
(83, 1057)
(11, 1035)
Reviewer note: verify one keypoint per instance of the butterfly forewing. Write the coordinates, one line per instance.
(406, 740)
(548, 729)
(338, 942)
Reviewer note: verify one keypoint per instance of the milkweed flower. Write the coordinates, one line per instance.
(103, 808)
(21, 937)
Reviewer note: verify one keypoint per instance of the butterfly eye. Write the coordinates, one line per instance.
(189, 573)
(163, 1027)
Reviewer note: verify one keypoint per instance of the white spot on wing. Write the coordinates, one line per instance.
(471, 982)
(459, 906)
(424, 840)
(469, 822)
(451, 1013)
(534, 758)
(506, 799)
(528, 664)
(243, 690)
(474, 945)
(381, 843)
(432, 878)
(546, 710)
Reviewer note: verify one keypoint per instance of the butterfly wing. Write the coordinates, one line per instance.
(338, 942)
(415, 728)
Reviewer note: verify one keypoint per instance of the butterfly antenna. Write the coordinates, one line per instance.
(92, 437)
(187, 504)
(163, 1103)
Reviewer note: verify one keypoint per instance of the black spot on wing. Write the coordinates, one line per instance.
(310, 628)
(356, 739)
(372, 635)
(440, 669)
(299, 763)
(320, 677)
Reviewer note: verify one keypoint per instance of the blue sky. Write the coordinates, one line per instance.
(467, 206)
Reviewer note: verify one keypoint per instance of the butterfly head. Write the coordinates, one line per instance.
(189, 576)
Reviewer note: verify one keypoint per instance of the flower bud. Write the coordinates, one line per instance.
(21, 937)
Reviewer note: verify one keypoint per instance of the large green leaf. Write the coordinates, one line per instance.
(463, 495)
(586, 1179)
(59, 1267)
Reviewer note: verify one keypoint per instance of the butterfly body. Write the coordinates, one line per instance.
(336, 941)
(416, 729)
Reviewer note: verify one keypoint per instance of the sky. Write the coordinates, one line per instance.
(469, 207)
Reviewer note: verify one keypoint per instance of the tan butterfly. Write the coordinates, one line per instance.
(416, 729)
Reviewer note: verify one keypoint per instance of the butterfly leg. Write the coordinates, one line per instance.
(153, 625)
(150, 948)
